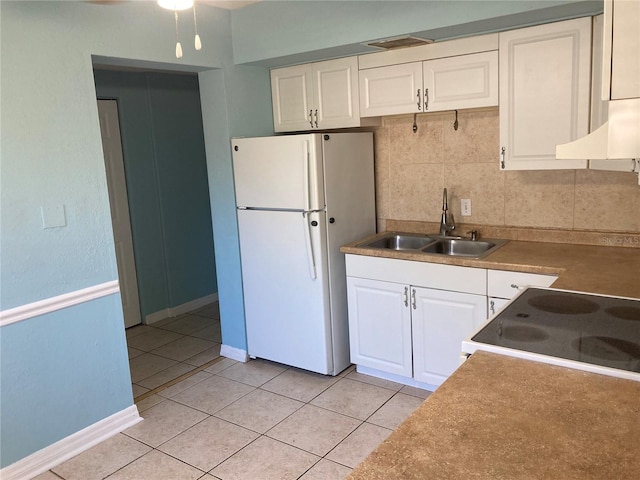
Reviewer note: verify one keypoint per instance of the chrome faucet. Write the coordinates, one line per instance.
(445, 225)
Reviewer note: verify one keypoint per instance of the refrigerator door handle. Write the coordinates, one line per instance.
(306, 180)
(309, 245)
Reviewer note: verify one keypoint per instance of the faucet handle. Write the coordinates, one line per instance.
(474, 235)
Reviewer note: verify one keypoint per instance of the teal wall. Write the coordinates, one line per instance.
(60, 373)
(168, 190)
(52, 155)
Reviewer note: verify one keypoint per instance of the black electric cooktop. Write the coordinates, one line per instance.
(586, 328)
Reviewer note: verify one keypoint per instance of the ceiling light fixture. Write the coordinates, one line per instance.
(175, 6)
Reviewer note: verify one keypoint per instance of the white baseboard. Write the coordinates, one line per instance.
(70, 446)
(180, 309)
(234, 353)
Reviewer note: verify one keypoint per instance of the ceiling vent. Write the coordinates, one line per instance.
(399, 42)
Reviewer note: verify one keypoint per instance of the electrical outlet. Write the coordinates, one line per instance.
(465, 207)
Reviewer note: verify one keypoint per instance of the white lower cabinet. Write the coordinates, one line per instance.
(407, 319)
(503, 285)
(410, 333)
(494, 305)
(441, 320)
(380, 325)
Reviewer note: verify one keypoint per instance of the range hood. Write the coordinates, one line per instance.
(617, 138)
(615, 144)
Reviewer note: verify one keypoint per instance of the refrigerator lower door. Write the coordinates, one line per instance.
(286, 295)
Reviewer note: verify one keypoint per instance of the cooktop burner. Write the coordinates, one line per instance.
(563, 304)
(523, 333)
(607, 348)
(584, 328)
(625, 313)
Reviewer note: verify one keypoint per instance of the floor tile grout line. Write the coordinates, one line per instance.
(171, 383)
(188, 358)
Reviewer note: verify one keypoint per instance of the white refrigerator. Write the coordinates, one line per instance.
(299, 199)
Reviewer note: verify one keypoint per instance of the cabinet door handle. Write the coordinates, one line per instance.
(502, 155)
(413, 298)
(406, 296)
(311, 118)
(418, 95)
(426, 99)
(316, 115)
(492, 307)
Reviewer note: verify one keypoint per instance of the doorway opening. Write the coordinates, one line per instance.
(166, 257)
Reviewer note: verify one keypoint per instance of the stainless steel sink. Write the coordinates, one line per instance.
(434, 244)
(463, 248)
(399, 241)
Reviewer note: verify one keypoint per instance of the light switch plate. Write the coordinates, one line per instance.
(53, 216)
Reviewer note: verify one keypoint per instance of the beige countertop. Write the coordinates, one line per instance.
(499, 417)
(597, 269)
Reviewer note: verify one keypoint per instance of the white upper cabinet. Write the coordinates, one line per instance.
(621, 28)
(467, 81)
(314, 96)
(544, 93)
(464, 81)
(292, 94)
(391, 90)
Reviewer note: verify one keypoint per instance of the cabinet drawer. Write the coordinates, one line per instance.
(504, 284)
(421, 274)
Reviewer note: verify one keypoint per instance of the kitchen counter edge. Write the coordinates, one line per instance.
(604, 270)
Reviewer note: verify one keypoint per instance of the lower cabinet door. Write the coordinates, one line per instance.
(380, 325)
(441, 321)
(494, 305)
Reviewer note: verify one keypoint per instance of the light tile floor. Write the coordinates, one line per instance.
(248, 421)
(163, 351)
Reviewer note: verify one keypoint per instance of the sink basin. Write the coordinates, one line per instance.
(434, 244)
(399, 241)
(463, 248)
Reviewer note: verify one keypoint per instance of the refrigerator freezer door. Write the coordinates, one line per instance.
(286, 308)
(279, 172)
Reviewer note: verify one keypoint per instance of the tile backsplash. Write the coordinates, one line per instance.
(413, 168)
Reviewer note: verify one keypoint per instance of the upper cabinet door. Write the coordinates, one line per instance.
(292, 94)
(544, 93)
(391, 90)
(465, 81)
(315, 96)
(336, 93)
(625, 65)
